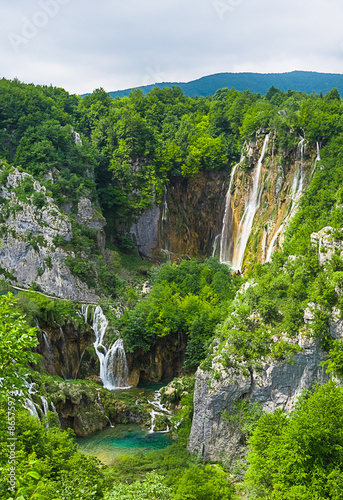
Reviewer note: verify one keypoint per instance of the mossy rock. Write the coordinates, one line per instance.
(89, 364)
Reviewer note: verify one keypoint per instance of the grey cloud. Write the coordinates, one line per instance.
(118, 44)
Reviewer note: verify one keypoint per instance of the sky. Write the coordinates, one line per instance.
(82, 45)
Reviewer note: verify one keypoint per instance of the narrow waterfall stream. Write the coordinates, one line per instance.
(34, 408)
(215, 245)
(226, 237)
(114, 371)
(251, 207)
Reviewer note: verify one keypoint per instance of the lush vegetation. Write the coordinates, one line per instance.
(187, 300)
(299, 456)
(17, 340)
(131, 148)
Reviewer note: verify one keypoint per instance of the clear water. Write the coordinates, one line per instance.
(123, 439)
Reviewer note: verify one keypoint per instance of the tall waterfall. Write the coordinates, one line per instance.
(295, 194)
(226, 237)
(251, 207)
(114, 371)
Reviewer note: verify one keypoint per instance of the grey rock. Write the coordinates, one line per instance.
(88, 216)
(278, 385)
(327, 244)
(27, 246)
(145, 232)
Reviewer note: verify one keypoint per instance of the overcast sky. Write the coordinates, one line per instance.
(116, 44)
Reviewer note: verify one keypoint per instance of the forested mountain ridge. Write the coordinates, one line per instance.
(302, 81)
(255, 181)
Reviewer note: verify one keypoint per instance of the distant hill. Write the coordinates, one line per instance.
(304, 81)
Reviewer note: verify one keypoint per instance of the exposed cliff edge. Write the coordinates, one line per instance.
(199, 217)
(187, 221)
(270, 381)
(278, 385)
(30, 225)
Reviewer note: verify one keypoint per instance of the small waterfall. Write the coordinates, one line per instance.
(215, 244)
(160, 410)
(113, 362)
(316, 160)
(55, 411)
(31, 406)
(27, 402)
(226, 237)
(117, 373)
(165, 210)
(84, 311)
(251, 207)
(49, 359)
(298, 180)
(45, 405)
(30, 386)
(272, 243)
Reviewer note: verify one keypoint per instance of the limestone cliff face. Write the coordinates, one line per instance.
(62, 348)
(28, 232)
(163, 361)
(284, 175)
(278, 385)
(187, 220)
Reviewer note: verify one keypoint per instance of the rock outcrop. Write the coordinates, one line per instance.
(145, 232)
(63, 348)
(87, 408)
(31, 235)
(187, 221)
(329, 242)
(278, 385)
(163, 361)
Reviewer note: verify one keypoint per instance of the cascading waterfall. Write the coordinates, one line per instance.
(316, 160)
(84, 311)
(113, 363)
(55, 411)
(117, 369)
(45, 404)
(295, 194)
(226, 237)
(28, 403)
(298, 180)
(251, 207)
(161, 410)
